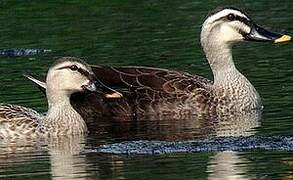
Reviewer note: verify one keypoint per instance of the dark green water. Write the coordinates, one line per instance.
(150, 33)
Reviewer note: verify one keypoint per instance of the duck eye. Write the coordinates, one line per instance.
(73, 68)
(231, 17)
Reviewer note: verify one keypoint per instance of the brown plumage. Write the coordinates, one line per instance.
(146, 89)
(19, 120)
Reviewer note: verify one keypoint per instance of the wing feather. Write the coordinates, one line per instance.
(146, 88)
(16, 121)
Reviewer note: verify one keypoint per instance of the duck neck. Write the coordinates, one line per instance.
(62, 118)
(228, 81)
(221, 62)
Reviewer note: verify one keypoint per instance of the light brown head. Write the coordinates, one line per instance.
(70, 75)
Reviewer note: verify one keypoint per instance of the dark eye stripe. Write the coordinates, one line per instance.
(81, 71)
(243, 20)
(84, 72)
(237, 18)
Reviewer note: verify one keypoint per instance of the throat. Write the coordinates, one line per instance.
(220, 60)
(219, 56)
(62, 118)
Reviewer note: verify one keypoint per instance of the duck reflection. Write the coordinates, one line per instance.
(227, 165)
(175, 130)
(21, 158)
(221, 165)
(67, 162)
(70, 160)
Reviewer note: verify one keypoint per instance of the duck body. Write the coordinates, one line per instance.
(161, 93)
(21, 122)
(18, 121)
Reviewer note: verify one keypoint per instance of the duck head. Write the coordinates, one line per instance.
(70, 75)
(230, 25)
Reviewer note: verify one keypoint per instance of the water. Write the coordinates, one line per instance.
(151, 33)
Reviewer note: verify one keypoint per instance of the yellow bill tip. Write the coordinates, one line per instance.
(284, 38)
(114, 95)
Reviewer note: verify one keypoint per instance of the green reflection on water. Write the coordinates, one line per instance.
(151, 33)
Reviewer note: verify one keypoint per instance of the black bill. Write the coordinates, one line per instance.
(260, 34)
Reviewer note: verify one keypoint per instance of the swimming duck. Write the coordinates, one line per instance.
(162, 93)
(66, 77)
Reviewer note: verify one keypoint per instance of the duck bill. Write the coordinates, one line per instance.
(101, 88)
(260, 34)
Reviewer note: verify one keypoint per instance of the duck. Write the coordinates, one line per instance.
(158, 93)
(67, 76)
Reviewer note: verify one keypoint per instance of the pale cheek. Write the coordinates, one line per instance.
(76, 81)
(74, 85)
(229, 34)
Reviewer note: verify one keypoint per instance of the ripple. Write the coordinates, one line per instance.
(146, 147)
(15, 52)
